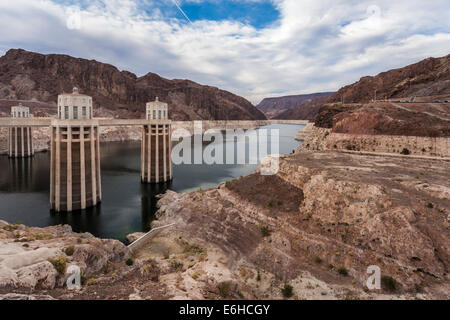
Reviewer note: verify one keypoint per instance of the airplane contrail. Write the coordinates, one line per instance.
(181, 10)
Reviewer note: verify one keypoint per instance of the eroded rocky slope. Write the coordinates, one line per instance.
(387, 118)
(273, 107)
(29, 76)
(428, 77)
(316, 226)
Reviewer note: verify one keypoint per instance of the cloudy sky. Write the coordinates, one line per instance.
(255, 48)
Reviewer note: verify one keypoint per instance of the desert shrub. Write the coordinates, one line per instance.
(389, 284)
(265, 231)
(405, 152)
(270, 204)
(59, 263)
(224, 289)
(430, 205)
(343, 271)
(318, 259)
(287, 291)
(10, 227)
(69, 250)
(91, 282)
(177, 266)
(129, 262)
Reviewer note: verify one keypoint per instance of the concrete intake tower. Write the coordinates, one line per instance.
(156, 149)
(20, 142)
(75, 181)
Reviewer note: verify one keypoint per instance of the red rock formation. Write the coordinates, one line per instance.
(428, 77)
(306, 111)
(32, 76)
(278, 108)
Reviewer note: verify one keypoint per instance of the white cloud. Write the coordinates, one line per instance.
(315, 46)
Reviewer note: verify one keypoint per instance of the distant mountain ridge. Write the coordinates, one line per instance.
(31, 76)
(429, 77)
(274, 106)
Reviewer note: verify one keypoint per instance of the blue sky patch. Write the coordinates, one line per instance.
(257, 14)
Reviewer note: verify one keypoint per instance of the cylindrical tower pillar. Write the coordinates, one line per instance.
(20, 139)
(75, 179)
(156, 146)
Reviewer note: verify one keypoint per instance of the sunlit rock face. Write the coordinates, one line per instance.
(33, 76)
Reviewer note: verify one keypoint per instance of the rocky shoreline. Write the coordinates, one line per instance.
(309, 232)
(315, 227)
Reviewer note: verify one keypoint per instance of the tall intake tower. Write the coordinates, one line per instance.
(156, 149)
(75, 181)
(20, 142)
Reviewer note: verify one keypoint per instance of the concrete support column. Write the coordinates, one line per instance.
(58, 169)
(149, 154)
(69, 169)
(170, 152)
(52, 168)
(22, 141)
(93, 166)
(82, 169)
(10, 142)
(28, 141)
(99, 177)
(164, 152)
(142, 154)
(31, 141)
(157, 155)
(16, 153)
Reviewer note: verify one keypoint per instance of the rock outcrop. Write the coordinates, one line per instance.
(429, 77)
(29, 76)
(37, 258)
(387, 118)
(317, 225)
(277, 108)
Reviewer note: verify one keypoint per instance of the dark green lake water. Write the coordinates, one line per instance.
(128, 206)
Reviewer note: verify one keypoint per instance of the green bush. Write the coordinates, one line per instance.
(343, 271)
(70, 250)
(389, 284)
(59, 263)
(287, 291)
(177, 266)
(318, 259)
(129, 262)
(224, 288)
(405, 152)
(265, 231)
(91, 282)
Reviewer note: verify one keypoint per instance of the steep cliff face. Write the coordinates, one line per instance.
(306, 111)
(275, 107)
(32, 76)
(428, 80)
(428, 77)
(384, 118)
